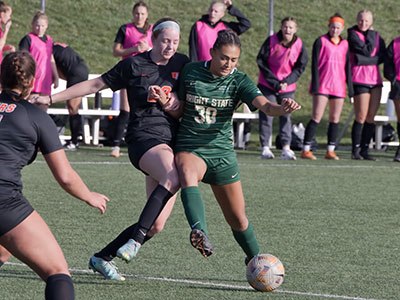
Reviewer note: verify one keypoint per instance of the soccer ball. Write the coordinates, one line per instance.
(265, 272)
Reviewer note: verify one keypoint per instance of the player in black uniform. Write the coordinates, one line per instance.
(150, 135)
(23, 129)
(72, 68)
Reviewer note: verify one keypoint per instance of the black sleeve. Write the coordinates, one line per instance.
(193, 43)
(389, 70)
(349, 80)
(25, 43)
(118, 77)
(357, 46)
(382, 50)
(316, 50)
(262, 62)
(48, 140)
(120, 37)
(298, 67)
(243, 24)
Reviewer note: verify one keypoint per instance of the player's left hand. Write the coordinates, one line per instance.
(289, 105)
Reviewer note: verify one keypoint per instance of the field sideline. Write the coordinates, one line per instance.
(334, 225)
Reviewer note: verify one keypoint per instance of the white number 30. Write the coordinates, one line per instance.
(206, 115)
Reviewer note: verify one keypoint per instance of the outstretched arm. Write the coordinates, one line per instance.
(71, 182)
(275, 110)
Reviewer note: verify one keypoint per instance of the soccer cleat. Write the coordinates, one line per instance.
(267, 153)
(331, 155)
(288, 154)
(71, 146)
(397, 156)
(355, 154)
(105, 268)
(128, 251)
(199, 240)
(115, 151)
(307, 155)
(365, 155)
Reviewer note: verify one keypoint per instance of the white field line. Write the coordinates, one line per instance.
(290, 165)
(212, 284)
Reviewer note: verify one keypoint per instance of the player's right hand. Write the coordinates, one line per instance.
(99, 201)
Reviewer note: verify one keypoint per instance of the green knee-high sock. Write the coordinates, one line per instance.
(194, 208)
(247, 240)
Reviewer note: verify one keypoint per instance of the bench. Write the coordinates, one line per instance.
(92, 116)
(381, 120)
(239, 119)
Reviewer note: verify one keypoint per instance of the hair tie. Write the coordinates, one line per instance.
(336, 20)
(167, 24)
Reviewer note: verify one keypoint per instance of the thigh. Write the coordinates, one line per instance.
(335, 109)
(191, 168)
(361, 104)
(123, 98)
(159, 163)
(374, 103)
(33, 243)
(318, 108)
(231, 200)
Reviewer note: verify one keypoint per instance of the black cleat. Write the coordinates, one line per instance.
(199, 240)
(355, 154)
(365, 155)
(397, 156)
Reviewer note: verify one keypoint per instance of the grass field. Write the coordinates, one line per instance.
(334, 225)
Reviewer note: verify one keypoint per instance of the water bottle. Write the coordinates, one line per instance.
(115, 104)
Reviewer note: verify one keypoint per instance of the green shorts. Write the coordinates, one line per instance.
(221, 170)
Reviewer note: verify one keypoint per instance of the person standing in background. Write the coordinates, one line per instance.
(204, 32)
(40, 45)
(5, 22)
(72, 68)
(281, 60)
(330, 72)
(367, 50)
(131, 39)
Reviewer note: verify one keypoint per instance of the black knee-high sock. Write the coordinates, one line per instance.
(356, 134)
(367, 133)
(122, 121)
(75, 124)
(333, 130)
(151, 211)
(310, 132)
(398, 129)
(110, 251)
(59, 287)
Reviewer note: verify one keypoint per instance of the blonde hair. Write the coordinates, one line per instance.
(39, 15)
(364, 11)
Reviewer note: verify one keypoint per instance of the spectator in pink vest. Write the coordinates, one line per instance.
(5, 19)
(40, 45)
(330, 73)
(281, 60)
(367, 51)
(131, 39)
(204, 32)
(392, 73)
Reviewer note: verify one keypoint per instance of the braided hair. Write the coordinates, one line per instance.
(17, 70)
(227, 37)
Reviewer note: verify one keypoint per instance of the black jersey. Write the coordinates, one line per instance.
(66, 59)
(23, 129)
(137, 74)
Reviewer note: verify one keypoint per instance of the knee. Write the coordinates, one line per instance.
(240, 224)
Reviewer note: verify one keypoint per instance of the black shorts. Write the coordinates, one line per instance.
(364, 89)
(12, 212)
(137, 149)
(79, 73)
(329, 96)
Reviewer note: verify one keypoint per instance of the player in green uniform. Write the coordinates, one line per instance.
(210, 92)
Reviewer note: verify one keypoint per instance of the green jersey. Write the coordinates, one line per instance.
(210, 101)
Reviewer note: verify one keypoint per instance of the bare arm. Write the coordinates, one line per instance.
(3, 39)
(54, 71)
(275, 110)
(78, 90)
(71, 182)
